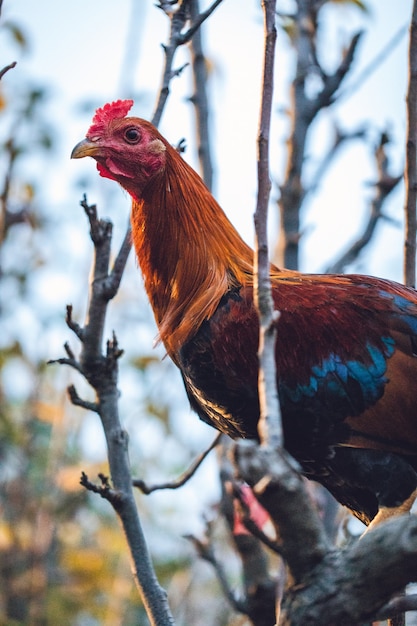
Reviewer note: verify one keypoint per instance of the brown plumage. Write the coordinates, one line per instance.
(346, 346)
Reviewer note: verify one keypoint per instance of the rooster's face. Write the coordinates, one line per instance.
(126, 148)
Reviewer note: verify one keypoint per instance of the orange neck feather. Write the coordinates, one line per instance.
(188, 251)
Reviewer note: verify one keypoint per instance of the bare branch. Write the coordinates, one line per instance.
(206, 552)
(385, 184)
(101, 371)
(411, 159)
(181, 480)
(304, 111)
(261, 586)
(278, 486)
(76, 328)
(7, 68)
(179, 19)
(77, 401)
(70, 361)
(372, 66)
(200, 100)
(332, 82)
(380, 564)
(100, 230)
(104, 490)
(197, 22)
(69, 351)
(270, 429)
(339, 139)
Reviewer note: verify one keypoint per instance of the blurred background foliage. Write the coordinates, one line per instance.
(63, 559)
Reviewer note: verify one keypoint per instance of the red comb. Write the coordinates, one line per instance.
(107, 113)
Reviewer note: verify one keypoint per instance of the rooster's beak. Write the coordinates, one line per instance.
(84, 148)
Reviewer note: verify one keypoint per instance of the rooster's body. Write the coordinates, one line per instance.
(346, 345)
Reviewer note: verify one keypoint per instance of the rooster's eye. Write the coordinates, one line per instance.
(132, 135)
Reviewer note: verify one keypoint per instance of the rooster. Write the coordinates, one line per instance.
(346, 344)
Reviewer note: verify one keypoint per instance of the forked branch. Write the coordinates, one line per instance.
(180, 17)
(181, 480)
(101, 370)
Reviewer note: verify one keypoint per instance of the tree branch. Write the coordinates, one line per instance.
(277, 484)
(104, 490)
(179, 19)
(261, 586)
(270, 428)
(197, 21)
(411, 159)
(101, 371)
(204, 549)
(332, 82)
(330, 587)
(200, 100)
(305, 109)
(76, 400)
(6, 68)
(372, 66)
(339, 140)
(385, 184)
(181, 480)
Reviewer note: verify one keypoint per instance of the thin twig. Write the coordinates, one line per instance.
(183, 478)
(76, 328)
(179, 19)
(258, 581)
(200, 100)
(304, 111)
(339, 139)
(77, 401)
(7, 68)
(206, 552)
(67, 361)
(373, 65)
(104, 490)
(270, 428)
(410, 174)
(197, 22)
(385, 184)
(332, 82)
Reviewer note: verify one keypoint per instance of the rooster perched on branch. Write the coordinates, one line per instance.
(346, 347)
